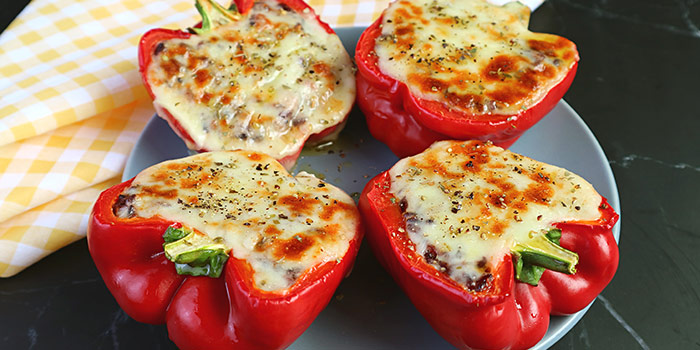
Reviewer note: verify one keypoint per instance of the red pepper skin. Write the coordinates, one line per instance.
(150, 40)
(509, 314)
(130, 252)
(416, 123)
(202, 312)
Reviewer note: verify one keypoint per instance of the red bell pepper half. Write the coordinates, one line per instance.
(506, 314)
(416, 123)
(149, 44)
(202, 312)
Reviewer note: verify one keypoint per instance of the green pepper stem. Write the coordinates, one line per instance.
(213, 15)
(173, 234)
(193, 253)
(542, 252)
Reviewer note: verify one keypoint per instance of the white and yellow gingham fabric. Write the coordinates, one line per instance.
(72, 106)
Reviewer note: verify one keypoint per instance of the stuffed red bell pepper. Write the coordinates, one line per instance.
(433, 70)
(488, 243)
(264, 75)
(225, 247)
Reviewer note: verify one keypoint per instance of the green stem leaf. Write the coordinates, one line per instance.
(193, 253)
(214, 15)
(543, 251)
(173, 234)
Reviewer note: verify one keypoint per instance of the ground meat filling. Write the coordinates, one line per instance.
(124, 206)
(436, 257)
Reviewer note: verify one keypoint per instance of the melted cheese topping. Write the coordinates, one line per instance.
(466, 204)
(473, 56)
(281, 225)
(264, 83)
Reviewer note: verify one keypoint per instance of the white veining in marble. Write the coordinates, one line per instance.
(690, 29)
(583, 336)
(608, 306)
(45, 288)
(32, 335)
(627, 160)
(118, 318)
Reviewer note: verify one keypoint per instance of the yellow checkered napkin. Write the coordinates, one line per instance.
(72, 106)
(48, 182)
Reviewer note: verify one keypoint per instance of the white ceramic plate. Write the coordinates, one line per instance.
(369, 311)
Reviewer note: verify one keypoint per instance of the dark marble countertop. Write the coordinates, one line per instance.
(636, 88)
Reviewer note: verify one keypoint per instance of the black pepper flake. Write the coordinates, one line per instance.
(481, 283)
(476, 228)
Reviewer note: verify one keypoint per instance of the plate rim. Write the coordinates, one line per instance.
(568, 321)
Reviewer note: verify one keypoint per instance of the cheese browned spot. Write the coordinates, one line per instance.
(473, 56)
(265, 82)
(281, 225)
(466, 204)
